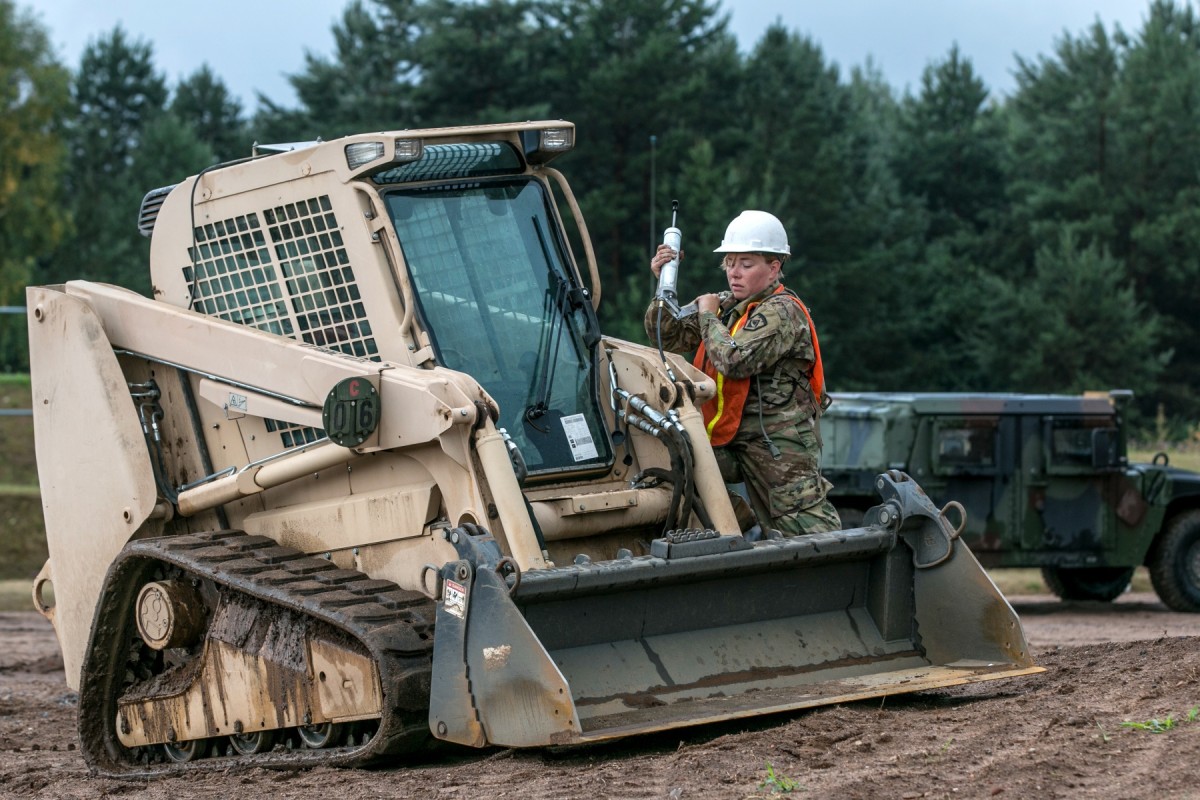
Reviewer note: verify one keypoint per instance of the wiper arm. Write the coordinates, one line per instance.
(565, 300)
(552, 318)
(576, 296)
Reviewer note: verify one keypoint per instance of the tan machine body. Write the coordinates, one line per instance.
(364, 471)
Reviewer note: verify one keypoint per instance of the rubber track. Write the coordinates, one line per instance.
(394, 625)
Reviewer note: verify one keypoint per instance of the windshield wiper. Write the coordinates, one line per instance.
(560, 304)
(548, 342)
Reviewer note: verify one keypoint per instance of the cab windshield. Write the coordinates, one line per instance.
(488, 268)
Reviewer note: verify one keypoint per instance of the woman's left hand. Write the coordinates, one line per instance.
(708, 302)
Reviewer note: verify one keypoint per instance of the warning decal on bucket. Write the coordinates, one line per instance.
(454, 598)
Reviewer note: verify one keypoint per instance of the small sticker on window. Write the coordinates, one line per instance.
(579, 437)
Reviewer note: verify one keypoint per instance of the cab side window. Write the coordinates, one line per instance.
(965, 446)
(1081, 444)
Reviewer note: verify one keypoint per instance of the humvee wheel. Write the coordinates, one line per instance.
(1174, 562)
(1087, 583)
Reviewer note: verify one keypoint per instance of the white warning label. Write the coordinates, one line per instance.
(579, 437)
(454, 598)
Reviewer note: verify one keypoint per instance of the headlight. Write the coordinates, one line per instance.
(544, 144)
(557, 139)
(363, 153)
(408, 149)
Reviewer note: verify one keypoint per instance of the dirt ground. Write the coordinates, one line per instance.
(1057, 734)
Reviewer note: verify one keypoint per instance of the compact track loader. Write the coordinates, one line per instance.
(364, 474)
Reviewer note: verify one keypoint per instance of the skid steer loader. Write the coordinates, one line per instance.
(365, 474)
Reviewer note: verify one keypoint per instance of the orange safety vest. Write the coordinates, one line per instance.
(723, 411)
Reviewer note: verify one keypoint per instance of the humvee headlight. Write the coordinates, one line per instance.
(409, 149)
(363, 153)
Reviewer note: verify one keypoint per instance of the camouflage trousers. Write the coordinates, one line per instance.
(786, 493)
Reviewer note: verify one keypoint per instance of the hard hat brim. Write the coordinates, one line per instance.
(746, 248)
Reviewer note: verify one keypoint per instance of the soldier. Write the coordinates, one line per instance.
(758, 343)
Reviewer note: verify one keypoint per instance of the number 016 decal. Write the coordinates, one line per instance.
(351, 412)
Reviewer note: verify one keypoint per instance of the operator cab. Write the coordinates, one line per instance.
(495, 292)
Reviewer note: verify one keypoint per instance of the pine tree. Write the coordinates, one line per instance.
(950, 149)
(34, 98)
(368, 84)
(117, 93)
(1075, 325)
(203, 101)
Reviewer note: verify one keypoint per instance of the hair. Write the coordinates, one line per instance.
(782, 258)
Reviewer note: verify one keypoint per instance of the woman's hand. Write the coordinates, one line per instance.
(708, 302)
(662, 256)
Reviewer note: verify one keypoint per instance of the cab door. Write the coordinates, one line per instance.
(1069, 506)
(969, 464)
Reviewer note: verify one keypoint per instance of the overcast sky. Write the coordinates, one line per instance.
(253, 46)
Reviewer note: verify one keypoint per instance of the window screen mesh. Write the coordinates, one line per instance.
(284, 270)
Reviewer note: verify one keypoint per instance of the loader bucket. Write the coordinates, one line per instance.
(712, 628)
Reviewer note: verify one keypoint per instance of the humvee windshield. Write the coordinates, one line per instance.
(493, 288)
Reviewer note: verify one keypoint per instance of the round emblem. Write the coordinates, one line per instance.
(351, 412)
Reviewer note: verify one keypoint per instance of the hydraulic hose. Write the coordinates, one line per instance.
(685, 499)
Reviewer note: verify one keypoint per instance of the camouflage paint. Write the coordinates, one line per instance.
(1045, 479)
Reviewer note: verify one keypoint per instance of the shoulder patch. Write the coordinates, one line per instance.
(756, 322)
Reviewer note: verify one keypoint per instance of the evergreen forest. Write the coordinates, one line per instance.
(945, 239)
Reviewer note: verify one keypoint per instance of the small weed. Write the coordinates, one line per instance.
(778, 783)
(1164, 725)
(941, 751)
(1104, 737)
(1152, 725)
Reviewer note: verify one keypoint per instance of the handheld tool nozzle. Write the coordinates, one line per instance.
(666, 293)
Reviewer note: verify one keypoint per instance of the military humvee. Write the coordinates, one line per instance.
(1044, 481)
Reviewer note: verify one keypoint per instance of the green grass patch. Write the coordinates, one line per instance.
(1013, 581)
(22, 530)
(1163, 725)
(22, 533)
(1183, 456)
(16, 595)
(778, 783)
(17, 464)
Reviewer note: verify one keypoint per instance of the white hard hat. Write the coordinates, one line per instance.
(755, 232)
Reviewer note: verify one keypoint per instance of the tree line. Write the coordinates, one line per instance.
(944, 239)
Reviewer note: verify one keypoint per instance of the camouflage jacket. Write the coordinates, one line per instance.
(775, 344)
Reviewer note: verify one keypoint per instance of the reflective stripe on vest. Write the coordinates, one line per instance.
(723, 412)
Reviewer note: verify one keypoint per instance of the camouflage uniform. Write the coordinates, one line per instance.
(774, 348)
